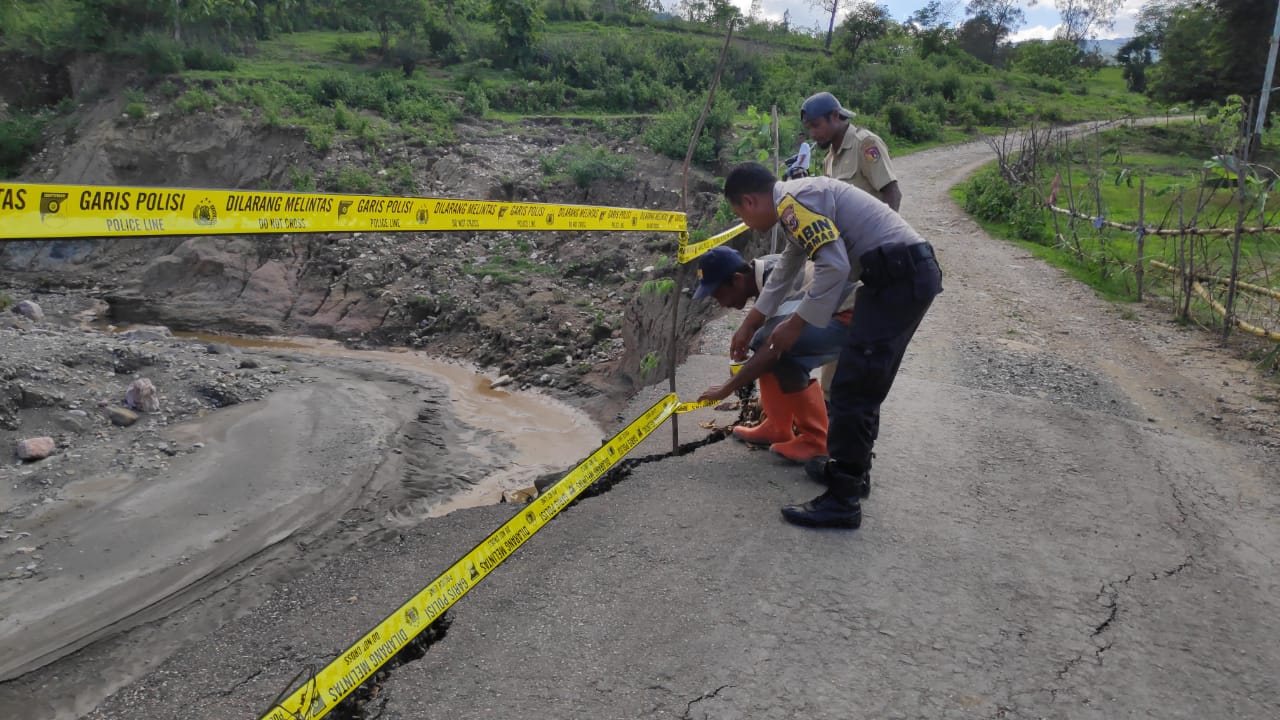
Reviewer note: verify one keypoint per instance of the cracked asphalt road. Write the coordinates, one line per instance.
(1086, 544)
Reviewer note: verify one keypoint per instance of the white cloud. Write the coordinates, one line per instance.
(1039, 32)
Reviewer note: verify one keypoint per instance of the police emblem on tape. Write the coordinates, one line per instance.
(51, 202)
(423, 215)
(205, 214)
(344, 206)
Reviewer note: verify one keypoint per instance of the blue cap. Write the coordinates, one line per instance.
(715, 267)
(821, 105)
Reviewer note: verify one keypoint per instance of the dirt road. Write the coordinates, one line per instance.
(1059, 529)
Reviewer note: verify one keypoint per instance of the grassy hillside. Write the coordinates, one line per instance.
(637, 72)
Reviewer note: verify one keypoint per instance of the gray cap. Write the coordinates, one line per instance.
(821, 105)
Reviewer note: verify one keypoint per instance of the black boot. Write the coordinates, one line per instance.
(828, 510)
(822, 470)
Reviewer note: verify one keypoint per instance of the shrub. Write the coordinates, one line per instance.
(988, 196)
(159, 54)
(6, 301)
(348, 180)
(195, 100)
(670, 133)
(586, 164)
(20, 134)
(320, 138)
(135, 110)
(343, 119)
(476, 101)
(908, 123)
(302, 180)
(207, 57)
(353, 48)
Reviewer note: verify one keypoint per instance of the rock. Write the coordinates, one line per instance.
(523, 495)
(501, 382)
(147, 333)
(37, 448)
(123, 417)
(34, 397)
(73, 423)
(220, 349)
(141, 395)
(247, 364)
(29, 309)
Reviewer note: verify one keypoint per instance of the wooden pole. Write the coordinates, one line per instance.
(1242, 164)
(1142, 230)
(773, 234)
(684, 207)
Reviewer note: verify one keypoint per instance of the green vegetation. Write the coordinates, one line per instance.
(586, 165)
(380, 72)
(1101, 176)
(6, 301)
(375, 72)
(19, 136)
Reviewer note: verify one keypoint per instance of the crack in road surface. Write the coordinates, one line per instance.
(688, 710)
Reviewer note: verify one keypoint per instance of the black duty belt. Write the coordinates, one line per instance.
(888, 264)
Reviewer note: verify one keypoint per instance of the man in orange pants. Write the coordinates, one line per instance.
(795, 423)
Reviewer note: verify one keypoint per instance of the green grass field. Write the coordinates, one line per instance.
(1170, 160)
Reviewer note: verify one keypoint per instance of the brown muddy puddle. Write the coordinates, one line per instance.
(545, 433)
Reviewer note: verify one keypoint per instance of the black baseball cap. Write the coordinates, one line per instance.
(715, 267)
(821, 105)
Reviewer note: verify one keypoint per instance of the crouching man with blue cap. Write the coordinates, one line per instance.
(795, 413)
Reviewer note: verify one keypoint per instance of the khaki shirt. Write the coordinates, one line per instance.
(764, 266)
(862, 161)
(833, 224)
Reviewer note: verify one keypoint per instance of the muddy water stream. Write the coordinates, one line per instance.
(544, 434)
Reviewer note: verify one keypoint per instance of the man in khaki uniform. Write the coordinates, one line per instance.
(854, 155)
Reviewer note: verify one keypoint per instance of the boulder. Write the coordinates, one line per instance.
(147, 333)
(141, 395)
(29, 309)
(123, 417)
(37, 448)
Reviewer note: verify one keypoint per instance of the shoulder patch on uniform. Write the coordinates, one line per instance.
(872, 153)
(809, 229)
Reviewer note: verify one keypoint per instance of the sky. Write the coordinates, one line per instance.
(1042, 18)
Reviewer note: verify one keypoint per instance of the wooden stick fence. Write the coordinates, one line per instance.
(1219, 308)
(1170, 232)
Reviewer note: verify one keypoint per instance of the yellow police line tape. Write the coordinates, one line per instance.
(319, 694)
(687, 252)
(33, 211)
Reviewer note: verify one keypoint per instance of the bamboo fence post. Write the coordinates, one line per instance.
(684, 207)
(1242, 163)
(773, 234)
(1142, 230)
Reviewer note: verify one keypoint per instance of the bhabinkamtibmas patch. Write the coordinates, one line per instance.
(809, 228)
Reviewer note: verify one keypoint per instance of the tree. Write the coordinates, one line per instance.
(1081, 19)
(389, 16)
(980, 37)
(932, 24)
(829, 6)
(1186, 47)
(1059, 59)
(866, 21)
(1001, 18)
(1209, 49)
(519, 24)
(1135, 56)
